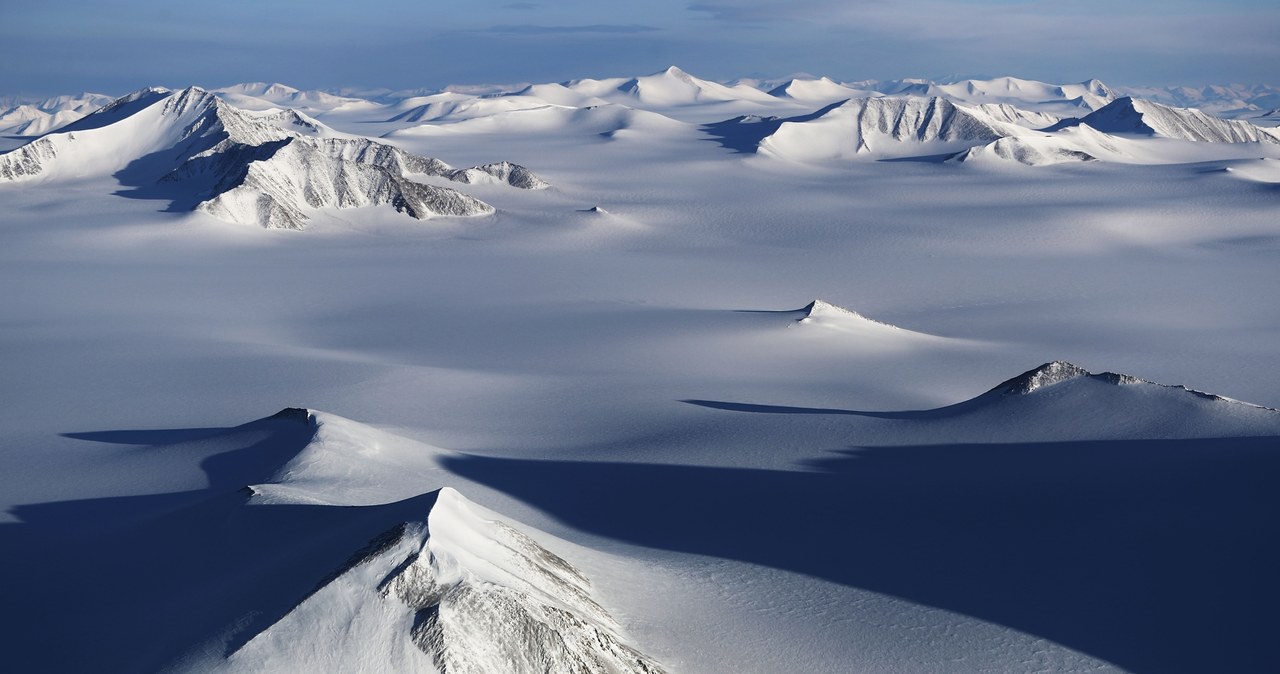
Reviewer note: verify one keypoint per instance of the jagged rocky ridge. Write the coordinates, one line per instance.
(1060, 371)
(483, 598)
(255, 170)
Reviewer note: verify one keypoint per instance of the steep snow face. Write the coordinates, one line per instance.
(887, 126)
(459, 592)
(1009, 114)
(268, 169)
(133, 129)
(1134, 116)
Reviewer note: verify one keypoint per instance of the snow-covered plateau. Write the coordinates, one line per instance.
(641, 374)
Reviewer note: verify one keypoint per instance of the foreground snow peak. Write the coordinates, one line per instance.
(459, 591)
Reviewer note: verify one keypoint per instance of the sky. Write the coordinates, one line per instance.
(115, 46)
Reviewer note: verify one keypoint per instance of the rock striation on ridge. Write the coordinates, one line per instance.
(269, 171)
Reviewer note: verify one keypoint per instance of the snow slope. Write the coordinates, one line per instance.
(458, 591)
(427, 582)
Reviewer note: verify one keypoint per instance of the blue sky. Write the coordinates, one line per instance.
(114, 46)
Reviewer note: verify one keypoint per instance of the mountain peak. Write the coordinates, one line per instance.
(1147, 118)
(1035, 379)
(462, 590)
(676, 72)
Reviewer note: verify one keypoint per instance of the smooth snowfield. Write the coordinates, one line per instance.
(767, 408)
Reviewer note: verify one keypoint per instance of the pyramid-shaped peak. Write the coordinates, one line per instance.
(819, 306)
(823, 309)
(1046, 375)
(1096, 87)
(675, 71)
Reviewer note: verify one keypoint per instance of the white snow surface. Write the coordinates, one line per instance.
(622, 368)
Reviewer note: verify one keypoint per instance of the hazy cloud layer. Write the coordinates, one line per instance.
(529, 29)
(78, 44)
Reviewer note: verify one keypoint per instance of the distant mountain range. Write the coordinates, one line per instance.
(270, 154)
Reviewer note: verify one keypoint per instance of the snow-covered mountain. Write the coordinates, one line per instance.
(1229, 100)
(1132, 116)
(266, 169)
(606, 429)
(822, 91)
(323, 544)
(262, 96)
(878, 127)
(23, 117)
(457, 591)
(672, 87)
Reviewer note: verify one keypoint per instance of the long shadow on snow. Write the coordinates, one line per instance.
(1157, 556)
(182, 178)
(130, 583)
(744, 134)
(934, 413)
